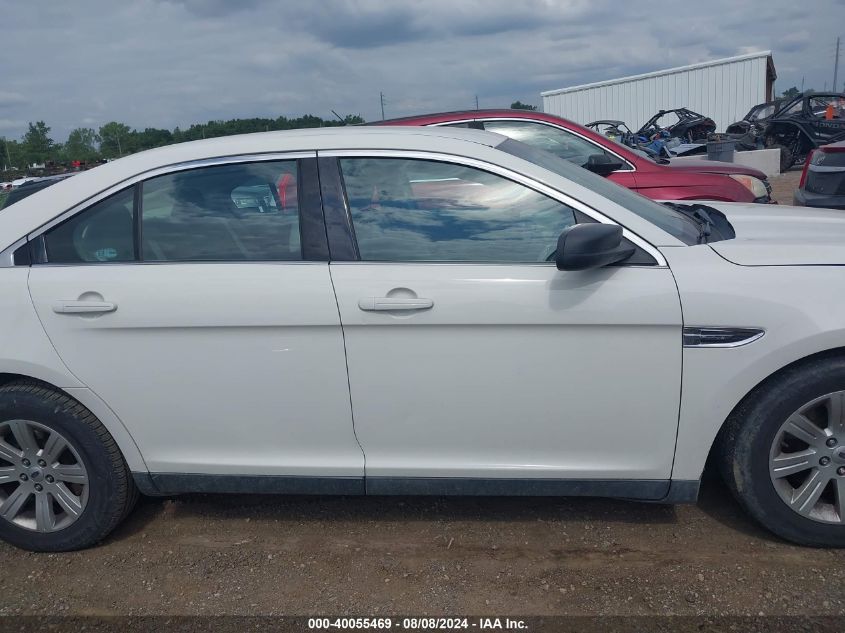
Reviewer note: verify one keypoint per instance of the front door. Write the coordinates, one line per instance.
(471, 357)
(191, 305)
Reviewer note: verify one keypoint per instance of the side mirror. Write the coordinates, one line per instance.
(602, 164)
(590, 245)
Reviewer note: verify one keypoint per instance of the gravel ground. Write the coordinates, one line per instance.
(215, 555)
(784, 186)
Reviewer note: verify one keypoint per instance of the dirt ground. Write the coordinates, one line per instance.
(784, 186)
(476, 556)
(251, 555)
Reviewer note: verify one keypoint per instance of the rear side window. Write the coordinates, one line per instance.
(102, 233)
(241, 212)
(238, 212)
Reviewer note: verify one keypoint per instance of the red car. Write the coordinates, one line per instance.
(687, 180)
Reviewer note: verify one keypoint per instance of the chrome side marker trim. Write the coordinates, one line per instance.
(721, 336)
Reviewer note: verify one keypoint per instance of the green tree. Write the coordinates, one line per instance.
(149, 138)
(518, 105)
(6, 150)
(38, 146)
(81, 145)
(114, 139)
(791, 92)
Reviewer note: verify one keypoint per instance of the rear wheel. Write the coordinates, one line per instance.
(783, 454)
(63, 482)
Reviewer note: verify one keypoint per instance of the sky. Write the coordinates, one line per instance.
(168, 63)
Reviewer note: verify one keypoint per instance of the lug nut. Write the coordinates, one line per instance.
(840, 471)
(42, 463)
(831, 442)
(25, 462)
(38, 488)
(49, 479)
(24, 477)
(824, 461)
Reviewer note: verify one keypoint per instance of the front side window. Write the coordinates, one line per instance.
(423, 210)
(551, 139)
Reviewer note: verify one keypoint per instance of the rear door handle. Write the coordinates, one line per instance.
(83, 307)
(388, 304)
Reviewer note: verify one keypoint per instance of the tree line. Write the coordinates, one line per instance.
(114, 139)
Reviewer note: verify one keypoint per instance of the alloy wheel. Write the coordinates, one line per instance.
(43, 481)
(807, 459)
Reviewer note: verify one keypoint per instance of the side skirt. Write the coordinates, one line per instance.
(655, 490)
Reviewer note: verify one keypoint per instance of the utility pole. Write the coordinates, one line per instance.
(836, 64)
(381, 98)
(476, 102)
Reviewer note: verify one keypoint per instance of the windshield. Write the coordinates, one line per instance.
(673, 222)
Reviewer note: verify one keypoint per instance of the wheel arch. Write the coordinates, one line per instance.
(93, 403)
(715, 446)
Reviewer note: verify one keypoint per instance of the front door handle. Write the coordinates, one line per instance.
(388, 304)
(83, 307)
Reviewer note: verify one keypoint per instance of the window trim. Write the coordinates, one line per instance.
(136, 182)
(504, 172)
(630, 169)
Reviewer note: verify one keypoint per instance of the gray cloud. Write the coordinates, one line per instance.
(11, 99)
(164, 63)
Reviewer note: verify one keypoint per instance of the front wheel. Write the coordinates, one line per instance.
(783, 454)
(63, 482)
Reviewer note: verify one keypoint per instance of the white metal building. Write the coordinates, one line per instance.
(724, 89)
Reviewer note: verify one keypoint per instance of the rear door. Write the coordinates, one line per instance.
(198, 305)
(472, 359)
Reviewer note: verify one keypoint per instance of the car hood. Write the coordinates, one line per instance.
(714, 167)
(768, 235)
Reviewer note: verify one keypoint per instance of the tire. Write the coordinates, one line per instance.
(102, 491)
(787, 158)
(748, 440)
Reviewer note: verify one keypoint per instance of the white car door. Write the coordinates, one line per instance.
(474, 364)
(217, 342)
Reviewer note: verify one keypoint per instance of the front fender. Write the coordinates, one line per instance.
(793, 304)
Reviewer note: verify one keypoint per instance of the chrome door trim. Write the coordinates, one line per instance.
(506, 173)
(631, 167)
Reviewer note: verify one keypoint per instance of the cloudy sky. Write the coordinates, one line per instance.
(163, 63)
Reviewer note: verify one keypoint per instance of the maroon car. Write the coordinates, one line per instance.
(687, 180)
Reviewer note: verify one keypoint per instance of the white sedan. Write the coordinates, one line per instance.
(409, 311)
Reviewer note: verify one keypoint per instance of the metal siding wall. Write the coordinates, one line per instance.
(724, 93)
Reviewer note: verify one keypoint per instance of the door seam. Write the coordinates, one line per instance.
(348, 382)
